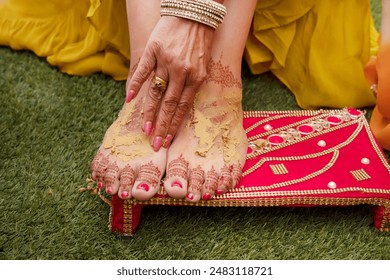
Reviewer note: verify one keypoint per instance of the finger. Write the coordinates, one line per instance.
(152, 102)
(168, 108)
(145, 66)
(183, 107)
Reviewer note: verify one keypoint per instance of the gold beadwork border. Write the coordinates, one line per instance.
(258, 202)
(127, 218)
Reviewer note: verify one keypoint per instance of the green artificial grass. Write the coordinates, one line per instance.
(51, 125)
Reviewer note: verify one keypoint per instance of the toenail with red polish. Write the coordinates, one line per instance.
(144, 187)
(100, 185)
(190, 196)
(176, 184)
(206, 196)
(109, 190)
(125, 194)
(219, 192)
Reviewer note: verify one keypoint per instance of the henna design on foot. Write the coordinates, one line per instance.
(196, 179)
(111, 175)
(177, 168)
(222, 75)
(149, 174)
(102, 167)
(95, 162)
(211, 182)
(236, 173)
(226, 179)
(134, 121)
(127, 177)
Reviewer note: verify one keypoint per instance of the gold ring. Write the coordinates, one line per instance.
(160, 83)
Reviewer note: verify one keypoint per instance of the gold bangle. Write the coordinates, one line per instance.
(207, 12)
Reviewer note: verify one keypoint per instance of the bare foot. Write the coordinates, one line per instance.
(126, 163)
(208, 153)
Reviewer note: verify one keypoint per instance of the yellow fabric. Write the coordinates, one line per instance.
(80, 37)
(317, 48)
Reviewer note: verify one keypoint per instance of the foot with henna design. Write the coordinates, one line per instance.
(208, 153)
(126, 162)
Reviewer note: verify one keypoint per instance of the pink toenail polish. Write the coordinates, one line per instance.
(190, 196)
(219, 192)
(144, 187)
(157, 143)
(100, 185)
(109, 190)
(168, 141)
(148, 128)
(130, 96)
(206, 196)
(125, 194)
(176, 184)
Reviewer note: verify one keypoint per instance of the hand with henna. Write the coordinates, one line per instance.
(377, 73)
(177, 52)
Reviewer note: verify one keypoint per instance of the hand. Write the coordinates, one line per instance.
(178, 51)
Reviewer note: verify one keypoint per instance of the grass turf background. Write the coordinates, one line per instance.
(51, 125)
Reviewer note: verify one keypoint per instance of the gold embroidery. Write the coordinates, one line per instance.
(360, 175)
(278, 169)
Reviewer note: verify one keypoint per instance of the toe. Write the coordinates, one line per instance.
(101, 170)
(175, 183)
(126, 181)
(210, 184)
(147, 183)
(225, 182)
(95, 163)
(195, 183)
(236, 174)
(111, 178)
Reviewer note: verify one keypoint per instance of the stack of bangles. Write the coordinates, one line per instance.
(207, 12)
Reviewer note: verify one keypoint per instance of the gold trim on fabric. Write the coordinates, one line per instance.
(127, 218)
(278, 169)
(385, 225)
(360, 175)
(258, 202)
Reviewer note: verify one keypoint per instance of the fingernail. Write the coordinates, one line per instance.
(219, 192)
(130, 96)
(125, 194)
(148, 128)
(157, 143)
(190, 196)
(206, 196)
(100, 185)
(176, 184)
(144, 187)
(168, 140)
(109, 190)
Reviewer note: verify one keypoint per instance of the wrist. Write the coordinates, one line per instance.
(207, 12)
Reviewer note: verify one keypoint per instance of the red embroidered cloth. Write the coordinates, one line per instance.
(296, 158)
